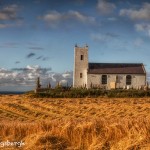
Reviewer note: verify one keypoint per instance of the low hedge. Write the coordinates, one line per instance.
(81, 93)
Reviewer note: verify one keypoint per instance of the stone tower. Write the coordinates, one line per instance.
(80, 66)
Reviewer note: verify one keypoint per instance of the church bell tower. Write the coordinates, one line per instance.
(80, 66)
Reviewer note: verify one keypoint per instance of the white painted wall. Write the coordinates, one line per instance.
(138, 81)
(80, 66)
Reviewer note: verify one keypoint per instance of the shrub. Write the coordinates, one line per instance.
(60, 92)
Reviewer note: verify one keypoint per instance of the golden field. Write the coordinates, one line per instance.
(75, 123)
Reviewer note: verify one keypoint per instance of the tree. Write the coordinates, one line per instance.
(49, 85)
(38, 85)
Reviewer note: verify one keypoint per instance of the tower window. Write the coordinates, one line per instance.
(104, 79)
(82, 57)
(128, 79)
(80, 75)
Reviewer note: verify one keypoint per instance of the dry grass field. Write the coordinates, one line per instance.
(75, 124)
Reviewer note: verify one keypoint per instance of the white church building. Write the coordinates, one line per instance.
(106, 75)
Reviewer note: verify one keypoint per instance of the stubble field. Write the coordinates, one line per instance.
(75, 123)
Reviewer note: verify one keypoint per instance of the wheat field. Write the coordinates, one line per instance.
(75, 123)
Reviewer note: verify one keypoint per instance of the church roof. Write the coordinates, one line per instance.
(116, 68)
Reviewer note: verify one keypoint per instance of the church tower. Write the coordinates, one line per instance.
(80, 66)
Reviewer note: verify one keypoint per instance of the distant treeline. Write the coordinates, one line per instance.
(82, 92)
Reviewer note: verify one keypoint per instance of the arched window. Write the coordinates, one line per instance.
(104, 79)
(117, 79)
(128, 79)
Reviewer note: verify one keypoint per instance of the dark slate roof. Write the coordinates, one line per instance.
(116, 68)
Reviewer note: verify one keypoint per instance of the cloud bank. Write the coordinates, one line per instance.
(25, 78)
(9, 16)
(55, 17)
(9, 12)
(105, 7)
(142, 13)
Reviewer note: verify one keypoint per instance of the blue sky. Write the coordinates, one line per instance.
(37, 37)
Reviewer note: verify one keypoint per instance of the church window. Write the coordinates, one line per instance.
(80, 75)
(117, 79)
(128, 79)
(104, 79)
(82, 57)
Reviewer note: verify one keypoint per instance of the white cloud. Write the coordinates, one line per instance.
(53, 17)
(137, 14)
(80, 17)
(105, 7)
(143, 27)
(63, 82)
(66, 75)
(26, 77)
(9, 16)
(9, 12)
